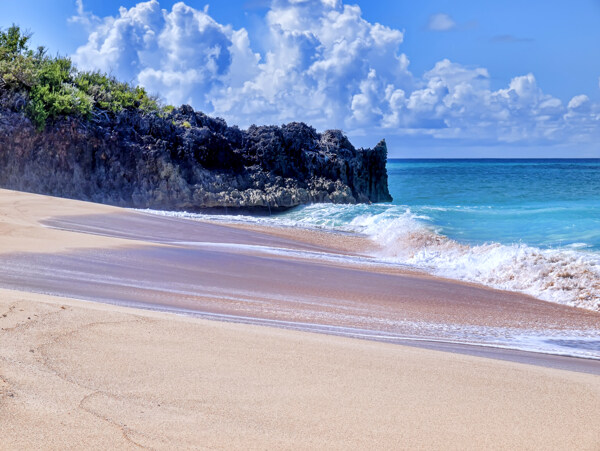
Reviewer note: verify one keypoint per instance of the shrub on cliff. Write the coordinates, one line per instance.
(17, 61)
(55, 88)
(111, 95)
(53, 93)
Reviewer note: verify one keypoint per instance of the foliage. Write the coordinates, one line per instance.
(168, 109)
(111, 95)
(53, 95)
(55, 88)
(13, 42)
(17, 61)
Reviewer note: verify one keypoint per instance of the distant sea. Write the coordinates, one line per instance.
(523, 225)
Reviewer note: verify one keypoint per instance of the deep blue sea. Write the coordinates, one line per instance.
(524, 225)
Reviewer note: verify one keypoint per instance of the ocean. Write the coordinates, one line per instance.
(531, 226)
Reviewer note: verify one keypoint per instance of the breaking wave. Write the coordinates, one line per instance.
(568, 275)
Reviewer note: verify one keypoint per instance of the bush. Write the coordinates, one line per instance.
(55, 88)
(111, 95)
(54, 95)
(17, 62)
(13, 42)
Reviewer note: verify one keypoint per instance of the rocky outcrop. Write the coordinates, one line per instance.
(186, 160)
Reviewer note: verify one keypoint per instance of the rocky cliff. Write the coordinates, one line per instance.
(185, 160)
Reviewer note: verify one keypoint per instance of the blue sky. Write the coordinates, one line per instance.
(437, 79)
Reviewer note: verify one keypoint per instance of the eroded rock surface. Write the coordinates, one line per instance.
(186, 160)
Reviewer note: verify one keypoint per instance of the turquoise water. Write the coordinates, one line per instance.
(544, 203)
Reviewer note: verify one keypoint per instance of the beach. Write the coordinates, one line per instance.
(81, 368)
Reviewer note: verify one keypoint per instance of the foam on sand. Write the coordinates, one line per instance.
(569, 276)
(565, 276)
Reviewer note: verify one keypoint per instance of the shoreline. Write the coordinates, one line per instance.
(565, 362)
(282, 275)
(89, 374)
(566, 276)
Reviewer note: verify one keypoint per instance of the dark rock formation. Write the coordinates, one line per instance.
(186, 160)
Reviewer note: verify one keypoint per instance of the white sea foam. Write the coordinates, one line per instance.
(568, 276)
(565, 276)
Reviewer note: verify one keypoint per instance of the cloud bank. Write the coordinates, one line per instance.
(326, 65)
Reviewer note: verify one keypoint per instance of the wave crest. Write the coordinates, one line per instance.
(568, 276)
(565, 276)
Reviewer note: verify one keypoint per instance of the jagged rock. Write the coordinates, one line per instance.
(186, 161)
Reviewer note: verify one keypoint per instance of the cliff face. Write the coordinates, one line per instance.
(187, 161)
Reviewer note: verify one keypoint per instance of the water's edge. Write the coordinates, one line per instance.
(565, 276)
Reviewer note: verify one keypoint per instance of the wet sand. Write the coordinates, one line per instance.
(304, 278)
(77, 374)
(295, 279)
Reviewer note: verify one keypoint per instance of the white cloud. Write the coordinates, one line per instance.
(83, 17)
(441, 22)
(579, 102)
(182, 54)
(326, 65)
(321, 53)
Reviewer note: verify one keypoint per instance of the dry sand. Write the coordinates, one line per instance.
(21, 231)
(83, 375)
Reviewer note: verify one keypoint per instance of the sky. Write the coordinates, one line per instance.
(440, 78)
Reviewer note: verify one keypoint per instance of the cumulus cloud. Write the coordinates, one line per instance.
(326, 65)
(321, 55)
(83, 17)
(580, 102)
(182, 54)
(457, 102)
(441, 22)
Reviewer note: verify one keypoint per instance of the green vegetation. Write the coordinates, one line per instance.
(111, 95)
(55, 88)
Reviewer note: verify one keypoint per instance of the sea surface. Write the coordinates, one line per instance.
(531, 226)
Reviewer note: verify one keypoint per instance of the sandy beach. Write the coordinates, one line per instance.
(80, 369)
